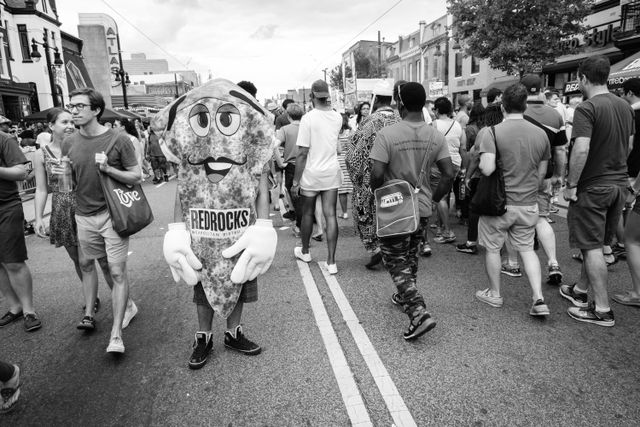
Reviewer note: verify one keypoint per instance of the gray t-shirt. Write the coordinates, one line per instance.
(288, 135)
(402, 146)
(522, 147)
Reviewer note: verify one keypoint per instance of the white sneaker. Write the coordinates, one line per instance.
(115, 345)
(129, 314)
(345, 215)
(331, 268)
(297, 251)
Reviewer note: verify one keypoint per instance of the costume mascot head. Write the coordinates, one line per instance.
(221, 139)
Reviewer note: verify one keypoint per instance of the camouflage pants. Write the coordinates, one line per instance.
(400, 257)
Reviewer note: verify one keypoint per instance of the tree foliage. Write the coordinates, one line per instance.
(335, 78)
(517, 36)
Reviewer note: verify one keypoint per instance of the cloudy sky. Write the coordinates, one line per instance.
(277, 44)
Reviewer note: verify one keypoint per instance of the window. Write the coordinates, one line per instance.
(426, 69)
(458, 65)
(24, 42)
(2, 67)
(418, 70)
(9, 54)
(44, 6)
(475, 65)
(435, 67)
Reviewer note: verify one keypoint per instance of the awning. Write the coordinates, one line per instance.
(624, 70)
(570, 62)
(500, 84)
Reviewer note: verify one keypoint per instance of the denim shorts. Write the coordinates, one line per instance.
(595, 215)
(518, 224)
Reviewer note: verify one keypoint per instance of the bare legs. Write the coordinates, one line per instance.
(17, 287)
(329, 199)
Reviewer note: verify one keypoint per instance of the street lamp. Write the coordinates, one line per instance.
(51, 69)
(122, 76)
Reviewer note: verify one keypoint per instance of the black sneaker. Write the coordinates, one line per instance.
(201, 348)
(31, 322)
(578, 299)
(419, 325)
(374, 261)
(466, 248)
(289, 215)
(425, 250)
(590, 315)
(240, 342)
(10, 317)
(395, 298)
(87, 323)
(555, 275)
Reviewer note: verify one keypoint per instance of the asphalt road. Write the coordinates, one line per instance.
(333, 352)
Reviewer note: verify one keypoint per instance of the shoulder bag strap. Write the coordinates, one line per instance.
(46, 147)
(452, 123)
(424, 162)
(114, 139)
(495, 142)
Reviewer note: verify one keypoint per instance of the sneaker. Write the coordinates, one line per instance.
(87, 323)
(425, 251)
(539, 308)
(202, 346)
(374, 261)
(445, 238)
(31, 322)
(578, 299)
(395, 298)
(510, 271)
(317, 237)
(289, 215)
(116, 345)
(555, 275)
(626, 299)
(590, 315)
(297, 251)
(129, 314)
(10, 392)
(438, 231)
(345, 215)
(10, 317)
(240, 342)
(466, 248)
(419, 325)
(331, 268)
(486, 297)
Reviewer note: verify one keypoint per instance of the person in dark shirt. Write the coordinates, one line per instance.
(15, 277)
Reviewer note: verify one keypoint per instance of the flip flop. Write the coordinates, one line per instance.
(626, 299)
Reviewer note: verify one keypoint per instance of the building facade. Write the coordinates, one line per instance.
(29, 84)
(139, 64)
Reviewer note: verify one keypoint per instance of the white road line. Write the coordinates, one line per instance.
(397, 408)
(129, 253)
(356, 409)
(160, 185)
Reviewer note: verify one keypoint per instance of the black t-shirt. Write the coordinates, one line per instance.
(633, 162)
(89, 196)
(608, 121)
(10, 155)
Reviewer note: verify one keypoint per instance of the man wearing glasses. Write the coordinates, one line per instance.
(96, 236)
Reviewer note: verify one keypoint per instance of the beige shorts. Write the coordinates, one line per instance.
(518, 224)
(97, 238)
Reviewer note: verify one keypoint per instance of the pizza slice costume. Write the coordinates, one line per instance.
(222, 140)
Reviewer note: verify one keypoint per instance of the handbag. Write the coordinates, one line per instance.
(397, 205)
(490, 198)
(128, 206)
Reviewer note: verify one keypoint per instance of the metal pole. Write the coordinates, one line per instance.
(122, 73)
(45, 45)
(175, 80)
(379, 56)
(325, 74)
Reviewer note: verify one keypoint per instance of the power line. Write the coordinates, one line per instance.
(142, 32)
(355, 37)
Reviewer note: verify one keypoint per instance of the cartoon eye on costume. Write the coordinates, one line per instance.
(199, 120)
(228, 119)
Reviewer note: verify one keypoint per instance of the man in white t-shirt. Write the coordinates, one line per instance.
(318, 170)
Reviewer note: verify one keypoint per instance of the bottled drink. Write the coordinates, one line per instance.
(65, 181)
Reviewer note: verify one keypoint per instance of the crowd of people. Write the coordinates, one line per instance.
(589, 149)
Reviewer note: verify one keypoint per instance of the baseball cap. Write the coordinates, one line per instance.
(320, 89)
(271, 105)
(3, 120)
(532, 82)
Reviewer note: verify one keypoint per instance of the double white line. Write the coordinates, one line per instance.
(351, 395)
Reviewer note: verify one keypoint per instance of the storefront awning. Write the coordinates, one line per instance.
(500, 84)
(624, 70)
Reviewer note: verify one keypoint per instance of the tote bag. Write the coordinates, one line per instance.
(397, 206)
(490, 198)
(128, 206)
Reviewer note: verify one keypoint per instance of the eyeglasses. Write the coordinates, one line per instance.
(78, 106)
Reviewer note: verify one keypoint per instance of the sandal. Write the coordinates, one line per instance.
(96, 305)
(87, 323)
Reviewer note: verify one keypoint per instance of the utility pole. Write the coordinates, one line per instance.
(379, 56)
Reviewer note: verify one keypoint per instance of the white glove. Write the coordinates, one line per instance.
(259, 243)
(178, 254)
